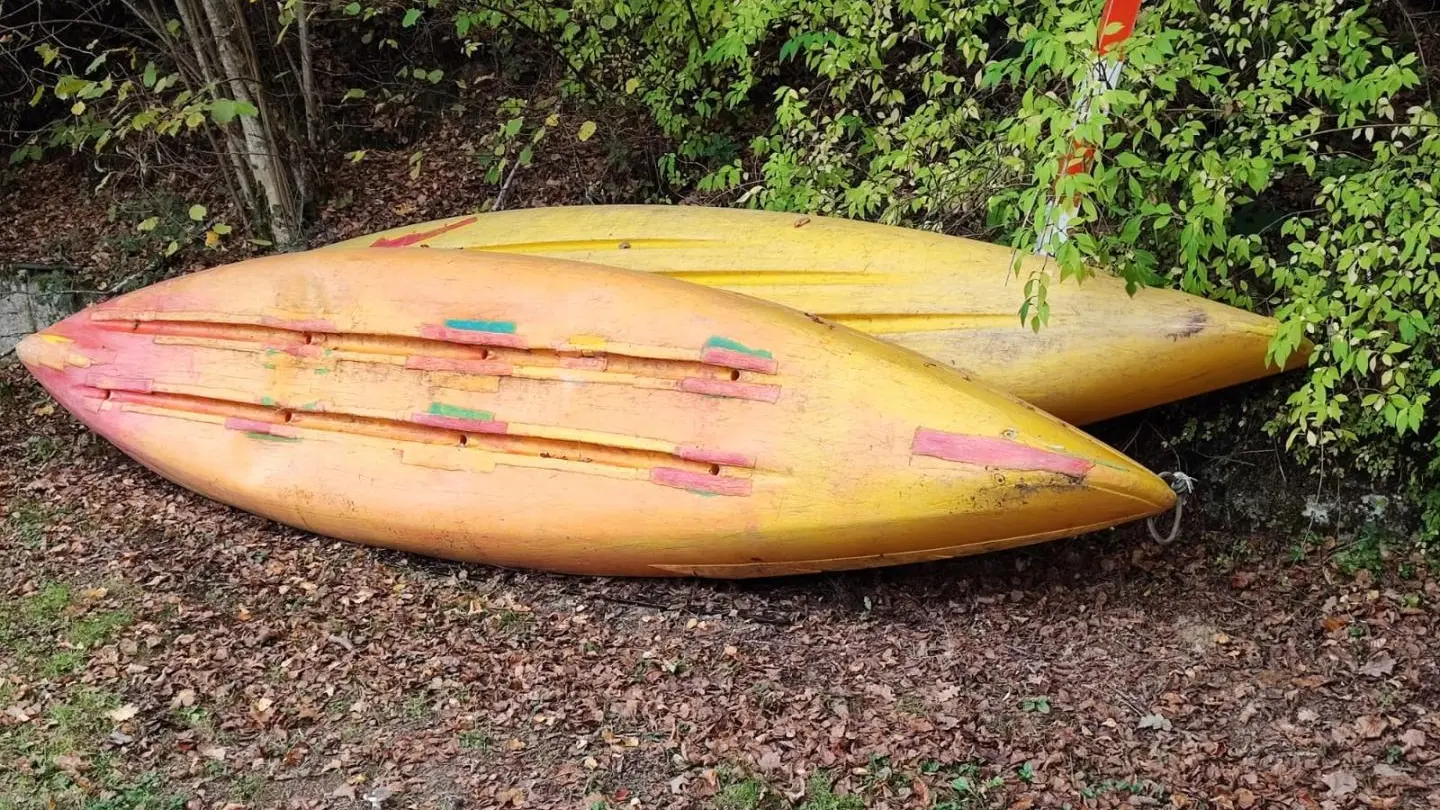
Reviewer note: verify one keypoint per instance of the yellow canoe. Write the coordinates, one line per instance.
(1103, 354)
(564, 416)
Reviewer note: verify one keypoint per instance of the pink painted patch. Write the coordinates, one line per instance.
(988, 451)
(313, 325)
(301, 350)
(474, 337)
(138, 384)
(587, 363)
(406, 240)
(733, 359)
(256, 426)
(690, 452)
(462, 425)
(496, 368)
(699, 482)
(91, 392)
(734, 390)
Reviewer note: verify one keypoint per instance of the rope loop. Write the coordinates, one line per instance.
(1182, 485)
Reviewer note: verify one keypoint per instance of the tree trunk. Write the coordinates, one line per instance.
(233, 147)
(307, 75)
(261, 151)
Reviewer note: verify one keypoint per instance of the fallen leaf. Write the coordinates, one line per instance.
(183, 698)
(1369, 726)
(1307, 716)
(126, 712)
(1333, 623)
(215, 752)
(1412, 739)
(1244, 799)
(1379, 666)
(17, 714)
(71, 763)
(1155, 721)
(1341, 783)
(346, 791)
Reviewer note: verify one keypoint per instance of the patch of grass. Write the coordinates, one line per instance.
(146, 793)
(47, 606)
(748, 793)
(75, 727)
(1366, 551)
(28, 522)
(820, 794)
(911, 704)
(191, 716)
(40, 449)
(1038, 704)
(62, 663)
(515, 623)
(479, 741)
(98, 628)
(970, 789)
(416, 707)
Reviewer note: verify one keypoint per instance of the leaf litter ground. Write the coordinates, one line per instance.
(158, 650)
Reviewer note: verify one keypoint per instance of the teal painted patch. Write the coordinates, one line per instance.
(310, 406)
(718, 342)
(506, 327)
(322, 370)
(270, 437)
(270, 366)
(456, 412)
(269, 402)
(702, 493)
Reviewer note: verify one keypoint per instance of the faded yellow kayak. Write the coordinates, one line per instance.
(570, 417)
(1104, 352)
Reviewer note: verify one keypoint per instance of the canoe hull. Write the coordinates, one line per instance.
(552, 415)
(1103, 354)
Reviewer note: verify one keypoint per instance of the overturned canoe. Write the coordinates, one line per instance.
(564, 416)
(1103, 353)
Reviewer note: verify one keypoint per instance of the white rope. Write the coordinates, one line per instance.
(1182, 485)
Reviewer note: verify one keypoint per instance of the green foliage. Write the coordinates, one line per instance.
(1275, 157)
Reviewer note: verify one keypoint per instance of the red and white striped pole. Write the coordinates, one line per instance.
(1117, 22)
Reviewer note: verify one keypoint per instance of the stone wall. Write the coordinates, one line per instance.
(31, 298)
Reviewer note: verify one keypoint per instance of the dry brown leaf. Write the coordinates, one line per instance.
(126, 712)
(1379, 666)
(1369, 726)
(1340, 783)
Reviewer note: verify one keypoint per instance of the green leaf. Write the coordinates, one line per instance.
(435, 76)
(411, 17)
(197, 212)
(48, 53)
(221, 228)
(224, 110)
(353, 93)
(148, 225)
(587, 129)
(352, 10)
(148, 77)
